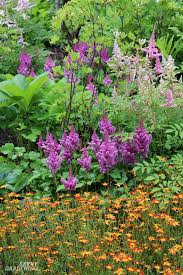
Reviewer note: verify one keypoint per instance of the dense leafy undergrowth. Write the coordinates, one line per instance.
(92, 234)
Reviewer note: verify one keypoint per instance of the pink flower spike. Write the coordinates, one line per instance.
(107, 81)
(104, 55)
(49, 64)
(169, 100)
(70, 183)
(158, 66)
(151, 50)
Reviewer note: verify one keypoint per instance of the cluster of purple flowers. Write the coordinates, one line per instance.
(48, 66)
(52, 149)
(69, 143)
(25, 66)
(105, 126)
(169, 100)
(70, 183)
(107, 154)
(109, 150)
(85, 160)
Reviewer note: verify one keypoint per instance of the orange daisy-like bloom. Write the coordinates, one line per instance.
(119, 271)
(109, 266)
(176, 248)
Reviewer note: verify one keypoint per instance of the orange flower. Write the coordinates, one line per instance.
(176, 248)
(119, 271)
(109, 266)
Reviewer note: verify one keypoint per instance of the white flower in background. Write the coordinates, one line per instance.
(23, 5)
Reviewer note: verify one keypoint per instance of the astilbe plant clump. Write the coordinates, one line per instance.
(108, 151)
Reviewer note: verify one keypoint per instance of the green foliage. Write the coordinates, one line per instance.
(21, 91)
(165, 176)
(21, 170)
(174, 137)
(168, 47)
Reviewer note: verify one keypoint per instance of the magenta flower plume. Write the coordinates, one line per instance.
(105, 126)
(49, 145)
(82, 49)
(70, 143)
(25, 66)
(128, 152)
(169, 100)
(85, 160)
(32, 73)
(54, 162)
(104, 55)
(158, 67)
(107, 81)
(107, 154)
(48, 66)
(70, 76)
(141, 141)
(70, 183)
(91, 87)
(95, 142)
(151, 50)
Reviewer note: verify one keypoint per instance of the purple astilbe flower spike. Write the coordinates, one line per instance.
(141, 141)
(107, 81)
(85, 160)
(70, 183)
(70, 76)
(67, 155)
(49, 65)
(158, 67)
(105, 126)
(151, 50)
(95, 142)
(104, 55)
(25, 66)
(70, 143)
(107, 154)
(128, 152)
(118, 142)
(49, 144)
(32, 73)
(91, 87)
(169, 100)
(54, 161)
(81, 48)
(40, 143)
